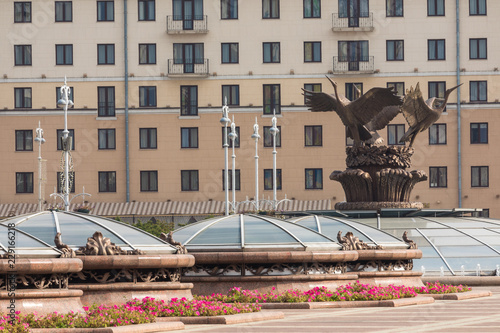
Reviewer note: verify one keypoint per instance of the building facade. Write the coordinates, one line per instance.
(149, 78)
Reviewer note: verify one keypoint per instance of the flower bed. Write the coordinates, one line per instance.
(439, 288)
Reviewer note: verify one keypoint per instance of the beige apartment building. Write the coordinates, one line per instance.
(148, 81)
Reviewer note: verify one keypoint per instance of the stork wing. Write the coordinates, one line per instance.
(414, 108)
(320, 101)
(383, 118)
(372, 103)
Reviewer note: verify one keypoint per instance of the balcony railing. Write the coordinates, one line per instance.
(345, 65)
(187, 24)
(364, 23)
(198, 68)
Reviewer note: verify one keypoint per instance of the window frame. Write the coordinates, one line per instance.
(23, 10)
(64, 4)
(26, 55)
(109, 110)
(107, 133)
(395, 56)
(226, 15)
(314, 180)
(268, 173)
(145, 10)
(394, 85)
(145, 96)
(436, 7)
(267, 137)
(479, 180)
(152, 181)
(480, 139)
(311, 3)
(106, 48)
(313, 56)
(23, 97)
(106, 10)
(109, 186)
(59, 135)
(269, 49)
(227, 48)
(477, 8)
(478, 84)
(27, 136)
(314, 134)
(274, 101)
(150, 53)
(391, 8)
(439, 128)
(316, 87)
(437, 169)
(148, 132)
(435, 56)
(192, 186)
(398, 135)
(478, 48)
(187, 109)
(271, 14)
(28, 179)
(65, 49)
(230, 180)
(230, 99)
(190, 143)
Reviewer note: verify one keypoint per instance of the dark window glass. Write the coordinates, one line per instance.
(107, 138)
(480, 176)
(64, 11)
(149, 181)
(477, 7)
(272, 98)
(436, 49)
(147, 96)
(189, 100)
(353, 10)
(229, 9)
(231, 95)
(229, 141)
(107, 181)
(312, 51)
(60, 135)
(24, 182)
(435, 7)
(22, 55)
(105, 11)
(438, 176)
(105, 54)
(314, 179)
(268, 137)
(189, 137)
(478, 91)
(395, 50)
(237, 184)
(398, 87)
(312, 8)
(189, 180)
(437, 134)
(268, 179)
(479, 133)
(188, 55)
(60, 182)
(106, 101)
(313, 135)
(395, 133)
(353, 52)
(64, 54)
(271, 52)
(230, 53)
(270, 9)
(147, 54)
(22, 98)
(437, 89)
(353, 91)
(478, 48)
(394, 8)
(22, 12)
(146, 10)
(187, 11)
(24, 140)
(147, 138)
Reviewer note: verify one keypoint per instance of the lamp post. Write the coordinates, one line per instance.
(232, 137)
(256, 137)
(225, 121)
(39, 138)
(274, 131)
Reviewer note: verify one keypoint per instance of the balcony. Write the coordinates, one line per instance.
(182, 69)
(342, 65)
(187, 24)
(352, 23)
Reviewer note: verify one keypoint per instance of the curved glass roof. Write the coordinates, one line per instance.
(75, 228)
(24, 245)
(330, 226)
(243, 232)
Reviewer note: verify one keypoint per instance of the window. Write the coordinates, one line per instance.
(147, 54)
(314, 179)
(353, 10)
(229, 141)
(271, 52)
(395, 50)
(24, 182)
(188, 55)
(237, 182)
(479, 133)
(478, 91)
(438, 176)
(106, 101)
(64, 54)
(105, 11)
(312, 8)
(64, 11)
(24, 140)
(22, 55)
(147, 138)
(71, 134)
(231, 95)
(187, 11)
(22, 12)
(105, 54)
(107, 138)
(395, 133)
(107, 181)
(312, 51)
(478, 48)
(60, 182)
(268, 179)
(398, 87)
(270, 9)
(313, 136)
(230, 53)
(147, 96)
(316, 87)
(437, 89)
(477, 7)
(229, 9)
(146, 10)
(189, 100)
(189, 137)
(22, 97)
(268, 137)
(149, 181)
(353, 52)
(70, 95)
(437, 134)
(394, 8)
(435, 7)
(479, 176)
(484, 213)
(272, 98)
(436, 49)
(353, 90)
(189, 180)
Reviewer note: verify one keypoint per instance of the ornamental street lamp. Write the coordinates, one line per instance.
(39, 138)
(274, 131)
(225, 121)
(232, 137)
(256, 137)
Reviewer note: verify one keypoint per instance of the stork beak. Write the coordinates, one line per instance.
(449, 91)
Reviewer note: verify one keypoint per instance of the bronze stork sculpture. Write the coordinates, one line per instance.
(421, 114)
(355, 114)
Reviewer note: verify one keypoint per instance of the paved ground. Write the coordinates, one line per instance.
(475, 315)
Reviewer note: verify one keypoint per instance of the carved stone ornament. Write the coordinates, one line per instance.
(127, 275)
(350, 242)
(181, 249)
(98, 245)
(412, 244)
(66, 250)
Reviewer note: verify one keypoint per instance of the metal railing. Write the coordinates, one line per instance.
(345, 65)
(199, 67)
(187, 24)
(364, 22)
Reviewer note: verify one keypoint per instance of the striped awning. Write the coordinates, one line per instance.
(169, 208)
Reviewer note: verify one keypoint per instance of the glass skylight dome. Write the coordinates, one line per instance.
(241, 232)
(330, 226)
(24, 245)
(76, 228)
